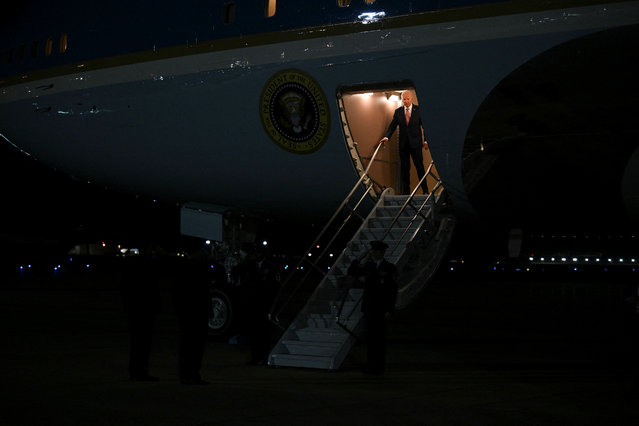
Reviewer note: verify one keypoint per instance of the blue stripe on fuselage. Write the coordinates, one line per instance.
(110, 29)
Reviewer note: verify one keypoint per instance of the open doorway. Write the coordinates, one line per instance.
(366, 112)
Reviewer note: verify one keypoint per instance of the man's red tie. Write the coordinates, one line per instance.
(407, 115)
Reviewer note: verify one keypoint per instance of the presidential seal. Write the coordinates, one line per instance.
(294, 111)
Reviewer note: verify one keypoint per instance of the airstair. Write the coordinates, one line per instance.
(329, 323)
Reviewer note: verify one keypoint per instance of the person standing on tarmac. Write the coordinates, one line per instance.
(378, 302)
(193, 307)
(260, 284)
(141, 301)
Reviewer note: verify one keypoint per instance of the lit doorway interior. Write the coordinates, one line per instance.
(366, 112)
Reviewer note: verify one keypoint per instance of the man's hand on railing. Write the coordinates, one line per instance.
(384, 139)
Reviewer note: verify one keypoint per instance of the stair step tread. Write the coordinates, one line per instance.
(310, 361)
(311, 343)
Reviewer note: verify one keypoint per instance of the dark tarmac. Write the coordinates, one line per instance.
(465, 354)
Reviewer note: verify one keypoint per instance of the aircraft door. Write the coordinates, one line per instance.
(366, 114)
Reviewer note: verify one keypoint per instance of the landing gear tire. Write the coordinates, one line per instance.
(220, 321)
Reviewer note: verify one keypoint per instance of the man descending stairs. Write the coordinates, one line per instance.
(324, 331)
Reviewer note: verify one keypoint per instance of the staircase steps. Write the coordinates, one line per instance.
(315, 339)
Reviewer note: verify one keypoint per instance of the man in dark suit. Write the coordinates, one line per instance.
(411, 141)
(378, 302)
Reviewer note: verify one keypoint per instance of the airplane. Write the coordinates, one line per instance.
(271, 108)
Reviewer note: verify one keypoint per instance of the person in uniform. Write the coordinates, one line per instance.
(378, 301)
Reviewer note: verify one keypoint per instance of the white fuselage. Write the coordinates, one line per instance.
(188, 128)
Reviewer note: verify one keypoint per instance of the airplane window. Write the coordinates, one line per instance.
(229, 13)
(343, 3)
(63, 43)
(269, 8)
(34, 49)
(48, 47)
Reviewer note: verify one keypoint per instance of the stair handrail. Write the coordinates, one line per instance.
(273, 316)
(409, 200)
(341, 320)
(418, 210)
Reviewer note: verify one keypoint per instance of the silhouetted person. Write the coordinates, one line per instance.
(378, 301)
(411, 141)
(140, 298)
(192, 303)
(260, 284)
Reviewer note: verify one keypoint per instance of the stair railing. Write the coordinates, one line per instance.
(418, 209)
(273, 314)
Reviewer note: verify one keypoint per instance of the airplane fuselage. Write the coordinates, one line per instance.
(180, 103)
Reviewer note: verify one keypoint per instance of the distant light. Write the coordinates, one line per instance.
(552, 259)
(543, 259)
(587, 260)
(574, 259)
(563, 259)
(310, 254)
(285, 267)
(331, 255)
(103, 244)
(317, 246)
(264, 243)
(531, 258)
(369, 17)
(207, 242)
(621, 260)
